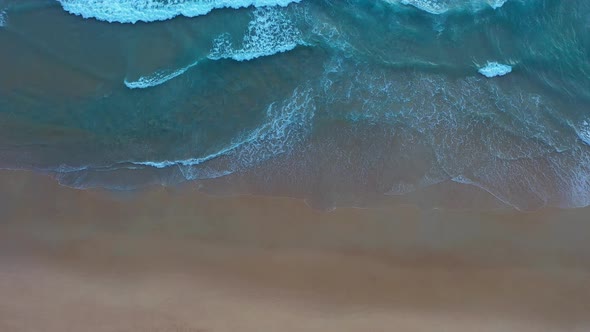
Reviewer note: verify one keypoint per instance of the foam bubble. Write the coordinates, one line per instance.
(493, 69)
(270, 32)
(132, 11)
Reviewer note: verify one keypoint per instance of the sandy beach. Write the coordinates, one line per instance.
(177, 260)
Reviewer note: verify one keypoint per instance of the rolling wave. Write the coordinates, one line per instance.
(133, 11)
(157, 78)
(269, 32)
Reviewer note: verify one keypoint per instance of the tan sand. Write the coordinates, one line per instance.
(177, 260)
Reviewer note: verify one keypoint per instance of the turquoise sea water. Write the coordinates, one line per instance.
(338, 102)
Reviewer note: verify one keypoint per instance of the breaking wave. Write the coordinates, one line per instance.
(132, 11)
(270, 32)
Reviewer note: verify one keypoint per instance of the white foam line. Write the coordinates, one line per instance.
(133, 11)
(276, 132)
(269, 32)
(157, 78)
(2, 18)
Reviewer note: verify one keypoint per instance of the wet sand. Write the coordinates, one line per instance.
(177, 260)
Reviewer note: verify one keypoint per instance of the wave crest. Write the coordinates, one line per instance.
(133, 11)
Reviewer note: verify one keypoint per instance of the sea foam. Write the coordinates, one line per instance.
(270, 32)
(493, 69)
(132, 11)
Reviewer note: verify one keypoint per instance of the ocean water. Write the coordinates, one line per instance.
(339, 102)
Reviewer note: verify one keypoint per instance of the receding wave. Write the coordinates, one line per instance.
(132, 11)
(410, 132)
(285, 125)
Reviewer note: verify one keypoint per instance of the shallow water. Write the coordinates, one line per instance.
(337, 102)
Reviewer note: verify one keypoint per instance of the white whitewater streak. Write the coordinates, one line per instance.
(157, 78)
(270, 32)
(493, 69)
(438, 7)
(132, 11)
(285, 125)
(497, 3)
(430, 6)
(2, 18)
(192, 161)
(583, 131)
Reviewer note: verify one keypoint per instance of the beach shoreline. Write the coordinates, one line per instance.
(174, 259)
